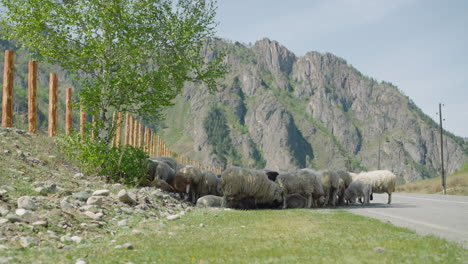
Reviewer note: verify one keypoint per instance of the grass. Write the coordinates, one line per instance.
(262, 236)
(457, 184)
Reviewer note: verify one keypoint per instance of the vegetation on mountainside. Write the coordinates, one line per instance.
(217, 130)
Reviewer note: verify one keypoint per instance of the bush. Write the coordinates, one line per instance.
(124, 164)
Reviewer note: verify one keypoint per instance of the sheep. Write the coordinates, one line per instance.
(358, 189)
(209, 184)
(187, 180)
(172, 162)
(245, 203)
(331, 185)
(239, 183)
(382, 181)
(161, 170)
(295, 201)
(345, 181)
(301, 182)
(209, 201)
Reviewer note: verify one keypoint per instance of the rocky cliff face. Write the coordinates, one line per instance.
(285, 112)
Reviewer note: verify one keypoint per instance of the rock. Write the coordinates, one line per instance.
(126, 210)
(122, 223)
(117, 186)
(20, 212)
(65, 205)
(95, 200)
(40, 190)
(3, 211)
(379, 249)
(27, 242)
(78, 176)
(40, 223)
(4, 221)
(3, 193)
(3, 247)
(13, 218)
(126, 197)
(94, 216)
(101, 193)
(136, 231)
(80, 261)
(202, 225)
(127, 246)
(82, 196)
(65, 239)
(77, 239)
(173, 217)
(27, 202)
(46, 187)
(4, 260)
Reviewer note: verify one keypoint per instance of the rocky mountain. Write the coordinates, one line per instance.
(278, 111)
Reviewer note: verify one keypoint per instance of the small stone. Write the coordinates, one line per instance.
(379, 249)
(126, 197)
(122, 223)
(65, 239)
(26, 202)
(65, 205)
(3, 211)
(40, 190)
(126, 210)
(173, 217)
(127, 246)
(4, 260)
(77, 239)
(202, 225)
(3, 221)
(40, 223)
(13, 218)
(94, 216)
(82, 196)
(171, 233)
(101, 193)
(27, 242)
(136, 231)
(84, 225)
(94, 200)
(3, 247)
(78, 176)
(80, 261)
(3, 192)
(117, 186)
(20, 212)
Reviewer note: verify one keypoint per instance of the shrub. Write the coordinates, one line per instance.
(124, 164)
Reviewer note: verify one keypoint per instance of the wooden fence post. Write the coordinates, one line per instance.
(53, 95)
(32, 97)
(127, 129)
(82, 121)
(94, 130)
(135, 133)
(7, 101)
(68, 114)
(147, 140)
(118, 132)
(140, 135)
(130, 135)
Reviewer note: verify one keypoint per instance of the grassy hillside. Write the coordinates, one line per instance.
(457, 184)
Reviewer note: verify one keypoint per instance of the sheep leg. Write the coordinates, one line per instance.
(309, 201)
(389, 197)
(284, 201)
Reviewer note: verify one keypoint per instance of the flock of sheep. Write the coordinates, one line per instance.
(243, 188)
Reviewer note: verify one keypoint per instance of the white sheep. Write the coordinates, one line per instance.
(209, 201)
(382, 181)
(240, 184)
(358, 189)
(209, 184)
(301, 182)
(331, 185)
(187, 180)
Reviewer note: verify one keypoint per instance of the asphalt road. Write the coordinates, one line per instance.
(445, 216)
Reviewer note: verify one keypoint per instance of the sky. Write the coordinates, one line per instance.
(421, 46)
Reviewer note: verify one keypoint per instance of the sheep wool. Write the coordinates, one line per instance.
(238, 183)
(358, 189)
(382, 181)
(331, 185)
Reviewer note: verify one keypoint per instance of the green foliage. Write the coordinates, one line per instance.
(124, 164)
(132, 56)
(217, 131)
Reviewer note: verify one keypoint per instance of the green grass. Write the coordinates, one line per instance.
(457, 184)
(262, 236)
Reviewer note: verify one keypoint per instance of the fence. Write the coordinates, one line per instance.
(131, 131)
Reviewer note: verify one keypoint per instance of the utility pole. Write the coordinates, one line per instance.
(444, 189)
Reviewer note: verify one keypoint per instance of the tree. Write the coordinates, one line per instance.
(131, 55)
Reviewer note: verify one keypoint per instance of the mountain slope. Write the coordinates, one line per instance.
(285, 112)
